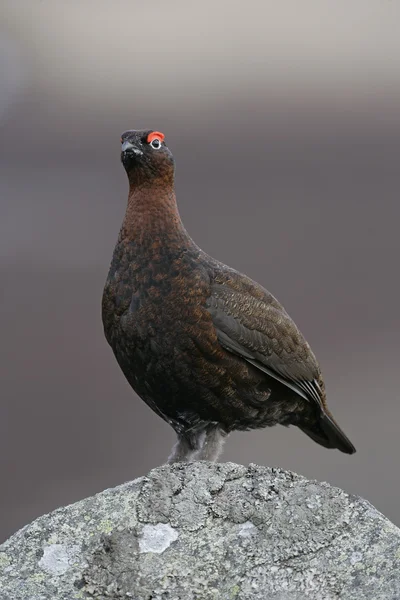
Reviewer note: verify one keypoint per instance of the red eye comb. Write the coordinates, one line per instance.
(155, 135)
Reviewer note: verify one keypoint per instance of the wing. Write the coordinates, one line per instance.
(259, 330)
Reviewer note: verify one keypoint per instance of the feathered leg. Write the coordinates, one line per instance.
(186, 446)
(212, 444)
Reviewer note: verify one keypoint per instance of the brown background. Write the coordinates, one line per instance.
(284, 119)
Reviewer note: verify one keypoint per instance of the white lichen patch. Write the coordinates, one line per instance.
(58, 558)
(356, 557)
(157, 538)
(247, 529)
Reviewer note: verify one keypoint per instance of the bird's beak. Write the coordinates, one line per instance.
(129, 147)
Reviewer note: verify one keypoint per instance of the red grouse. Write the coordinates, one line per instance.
(207, 348)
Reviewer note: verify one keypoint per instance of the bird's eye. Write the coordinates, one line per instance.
(156, 144)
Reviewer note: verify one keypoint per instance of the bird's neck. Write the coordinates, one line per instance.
(152, 217)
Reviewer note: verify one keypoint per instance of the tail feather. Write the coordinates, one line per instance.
(327, 433)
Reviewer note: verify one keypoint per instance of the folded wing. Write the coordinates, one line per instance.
(261, 332)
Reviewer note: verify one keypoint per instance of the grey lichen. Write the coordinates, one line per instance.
(209, 531)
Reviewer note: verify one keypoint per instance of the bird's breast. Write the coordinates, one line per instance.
(156, 301)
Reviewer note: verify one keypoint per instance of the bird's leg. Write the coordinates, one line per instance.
(212, 445)
(186, 446)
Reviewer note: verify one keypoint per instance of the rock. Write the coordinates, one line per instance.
(204, 531)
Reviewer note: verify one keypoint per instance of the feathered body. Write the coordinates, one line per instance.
(207, 348)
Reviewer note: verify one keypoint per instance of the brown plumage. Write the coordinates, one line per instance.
(207, 348)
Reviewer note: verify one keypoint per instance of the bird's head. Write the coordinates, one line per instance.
(145, 156)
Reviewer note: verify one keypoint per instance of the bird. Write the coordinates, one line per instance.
(208, 349)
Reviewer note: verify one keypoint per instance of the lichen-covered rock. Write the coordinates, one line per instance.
(204, 531)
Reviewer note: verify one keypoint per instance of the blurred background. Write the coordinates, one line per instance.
(284, 119)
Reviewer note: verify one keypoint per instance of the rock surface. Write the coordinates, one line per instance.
(202, 531)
